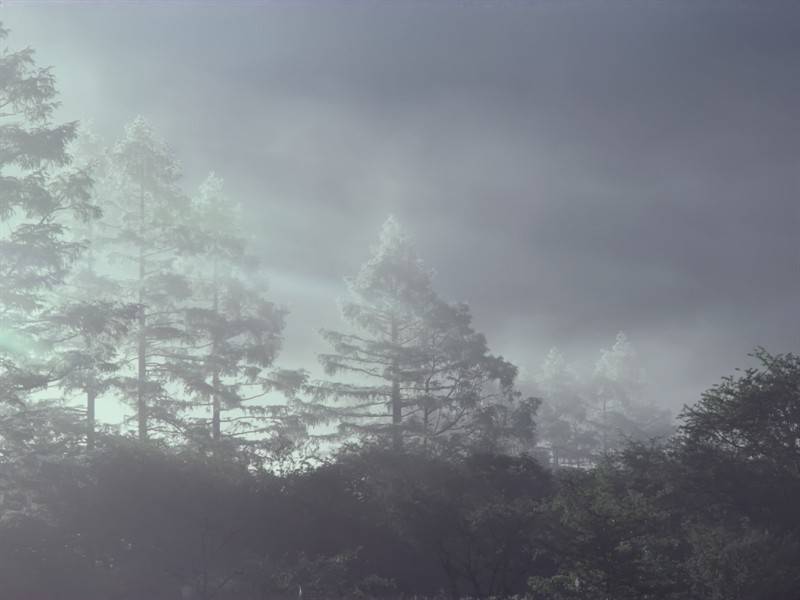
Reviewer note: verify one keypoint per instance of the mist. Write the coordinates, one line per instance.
(593, 206)
(598, 169)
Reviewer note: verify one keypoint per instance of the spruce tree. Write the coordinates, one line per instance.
(565, 424)
(388, 298)
(461, 396)
(233, 332)
(39, 194)
(416, 372)
(623, 409)
(86, 323)
(147, 228)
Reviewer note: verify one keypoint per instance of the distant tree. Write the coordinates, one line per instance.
(622, 409)
(85, 324)
(39, 193)
(233, 331)
(389, 295)
(564, 421)
(83, 337)
(146, 229)
(460, 395)
(418, 356)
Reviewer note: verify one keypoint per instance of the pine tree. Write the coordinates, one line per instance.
(147, 233)
(417, 356)
(233, 331)
(564, 424)
(461, 395)
(39, 193)
(389, 295)
(620, 386)
(86, 323)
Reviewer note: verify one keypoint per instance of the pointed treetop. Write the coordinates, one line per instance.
(394, 268)
(555, 373)
(554, 365)
(220, 212)
(210, 190)
(392, 230)
(139, 129)
(144, 155)
(620, 362)
(394, 243)
(139, 133)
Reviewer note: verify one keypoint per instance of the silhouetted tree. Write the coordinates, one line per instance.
(233, 331)
(146, 221)
(86, 324)
(39, 193)
(417, 355)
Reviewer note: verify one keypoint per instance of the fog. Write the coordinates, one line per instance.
(568, 172)
(607, 191)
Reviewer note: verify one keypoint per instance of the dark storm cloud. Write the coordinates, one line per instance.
(570, 169)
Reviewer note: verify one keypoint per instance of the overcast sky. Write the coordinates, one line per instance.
(570, 169)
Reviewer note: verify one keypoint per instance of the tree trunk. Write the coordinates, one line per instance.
(216, 412)
(397, 407)
(141, 392)
(425, 426)
(91, 396)
(141, 396)
(216, 408)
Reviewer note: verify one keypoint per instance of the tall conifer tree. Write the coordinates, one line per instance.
(416, 372)
(233, 332)
(148, 224)
(39, 194)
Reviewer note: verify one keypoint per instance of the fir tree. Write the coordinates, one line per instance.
(146, 223)
(564, 422)
(417, 371)
(624, 410)
(39, 194)
(233, 331)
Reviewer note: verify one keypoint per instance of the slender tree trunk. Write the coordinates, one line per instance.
(216, 412)
(91, 396)
(216, 408)
(91, 391)
(425, 426)
(397, 407)
(141, 392)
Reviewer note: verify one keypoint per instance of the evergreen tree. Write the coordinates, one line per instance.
(147, 231)
(233, 331)
(461, 395)
(564, 423)
(39, 193)
(622, 407)
(418, 356)
(86, 323)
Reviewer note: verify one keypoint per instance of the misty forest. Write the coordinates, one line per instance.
(164, 435)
